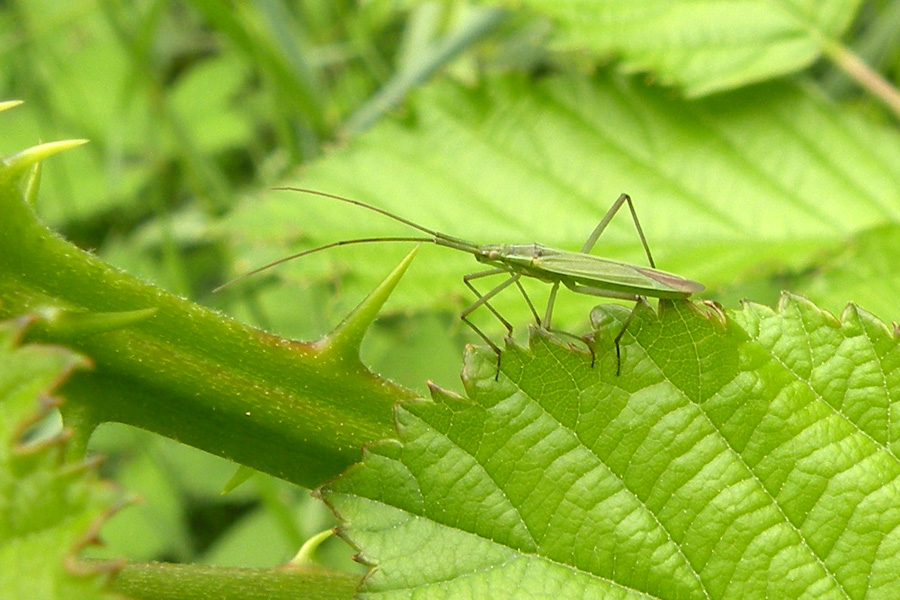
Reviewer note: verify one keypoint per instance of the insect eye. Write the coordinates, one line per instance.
(493, 254)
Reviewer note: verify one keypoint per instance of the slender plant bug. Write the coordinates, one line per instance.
(579, 271)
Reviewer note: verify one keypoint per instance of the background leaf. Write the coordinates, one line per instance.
(703, 47)
(765, 468)
(864, 269)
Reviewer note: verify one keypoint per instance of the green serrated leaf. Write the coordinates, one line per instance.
(50, 506)
(703, 47)
(753, 457)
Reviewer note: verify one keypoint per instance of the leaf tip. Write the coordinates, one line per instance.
(445, 396)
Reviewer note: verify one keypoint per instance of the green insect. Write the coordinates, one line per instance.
(579, 271)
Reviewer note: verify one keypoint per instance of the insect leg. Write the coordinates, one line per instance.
(622, 332)
(623, 198)
(547, 323)
(537, 319)
(488, 340)
(483, 299)
(517, 280)
(636, 298)
(550, 301)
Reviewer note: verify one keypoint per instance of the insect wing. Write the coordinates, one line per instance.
(594, 271)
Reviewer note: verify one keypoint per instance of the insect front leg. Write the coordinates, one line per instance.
(484, 299)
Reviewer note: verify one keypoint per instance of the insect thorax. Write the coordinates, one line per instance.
(519, 258)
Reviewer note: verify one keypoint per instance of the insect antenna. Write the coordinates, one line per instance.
(380, 211)
(285, 259)
(441, 239)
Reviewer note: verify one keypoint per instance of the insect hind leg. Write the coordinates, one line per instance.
(601, 226)
(641, 300)
(591, 291)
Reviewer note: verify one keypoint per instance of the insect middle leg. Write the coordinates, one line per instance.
(546, 326)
